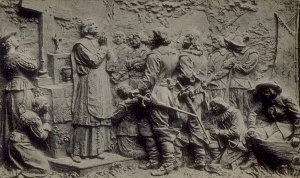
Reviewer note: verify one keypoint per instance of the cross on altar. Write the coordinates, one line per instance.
(47, 13)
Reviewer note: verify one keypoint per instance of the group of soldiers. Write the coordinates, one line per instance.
(173, 98)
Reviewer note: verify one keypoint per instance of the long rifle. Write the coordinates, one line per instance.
(158, 104)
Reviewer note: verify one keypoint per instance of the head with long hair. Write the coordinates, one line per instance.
(218, 42)
(218, 106)
(137, 39)
(40, 104)
(161, 37)
(8, 41)
(192, 40)
(88, 27)
(123, 91)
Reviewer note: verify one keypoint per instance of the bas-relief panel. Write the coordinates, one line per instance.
(267, 27)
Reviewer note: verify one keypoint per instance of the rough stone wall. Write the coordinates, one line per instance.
(12, 18)
(252, 18)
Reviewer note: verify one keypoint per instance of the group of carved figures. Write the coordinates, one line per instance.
(158, 102)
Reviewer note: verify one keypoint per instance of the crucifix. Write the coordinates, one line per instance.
(47, 12)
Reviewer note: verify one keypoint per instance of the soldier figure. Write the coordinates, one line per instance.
(239, 81)
(217, 75)
(283, 118)
(157, 82)
(191, 73)
(136, 63)
(136, 66)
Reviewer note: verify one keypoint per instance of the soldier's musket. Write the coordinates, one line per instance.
(190, 104)
(158, 104)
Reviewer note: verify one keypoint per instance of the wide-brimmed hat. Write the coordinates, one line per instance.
(236, 40)
(270, 84)
(6, 36)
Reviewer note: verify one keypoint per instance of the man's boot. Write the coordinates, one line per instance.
(215, 155)
(178, 157)
(200, 158)
(168, 166)
(150, 165)
(164, 170)
(251, 162)
(152, 153)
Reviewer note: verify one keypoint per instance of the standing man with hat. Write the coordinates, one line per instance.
(217, 75)
(241, 66)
